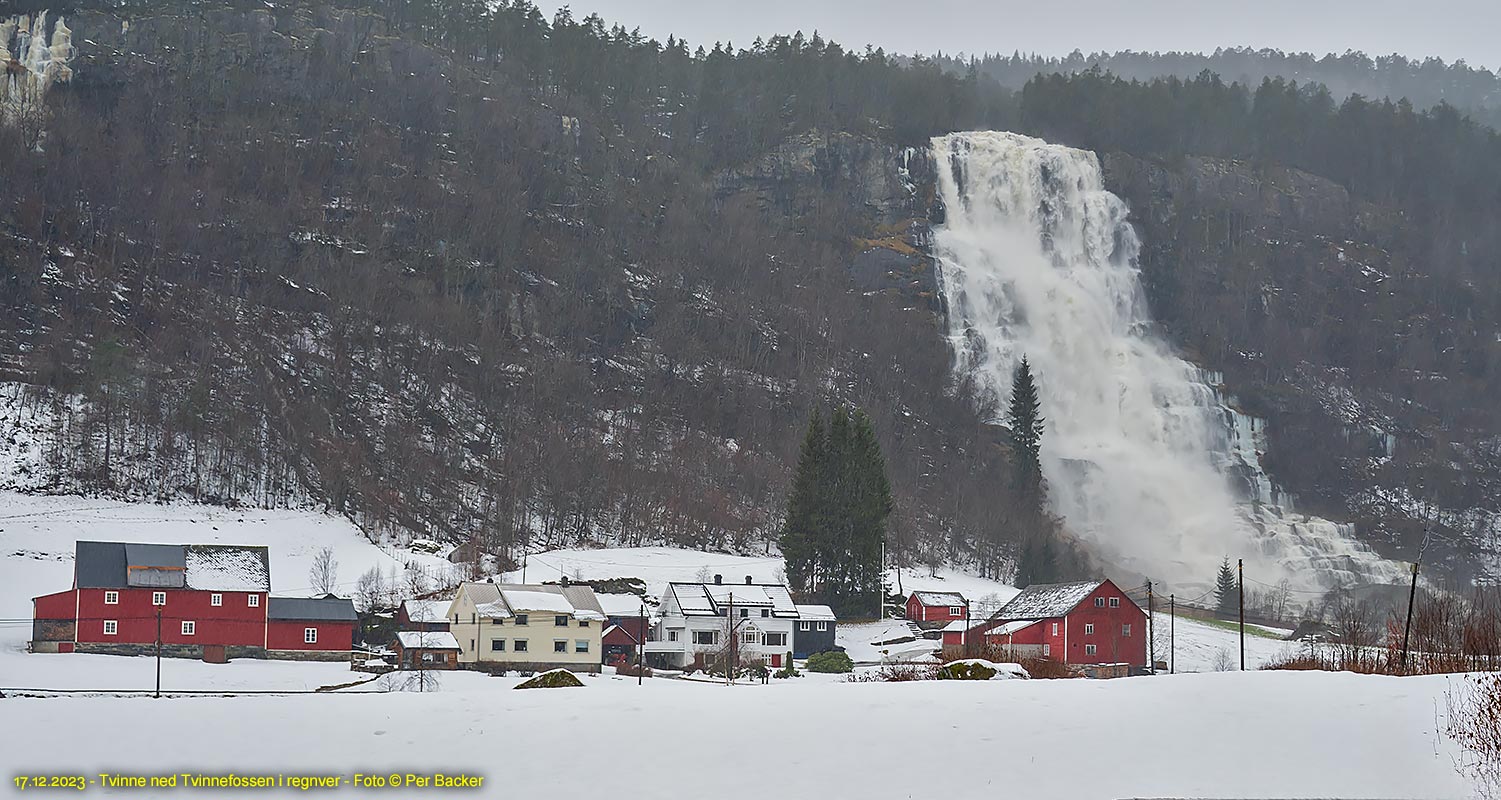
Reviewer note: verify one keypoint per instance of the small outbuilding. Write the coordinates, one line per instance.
(427, 650)
(936, 609)
(815, 630)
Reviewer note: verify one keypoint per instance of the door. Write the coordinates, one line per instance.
(776, 660)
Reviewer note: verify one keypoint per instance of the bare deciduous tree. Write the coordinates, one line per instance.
(324, 575)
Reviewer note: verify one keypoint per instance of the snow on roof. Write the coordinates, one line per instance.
(430, 640)
(941, 598)
(815, 612)
(427, 610)
(957, 626)
(619, 605)
(504, 600)
(739, 593)
(1010, 627)
(693, 599)
(228, 568)
(529, 600)
(1043, 600)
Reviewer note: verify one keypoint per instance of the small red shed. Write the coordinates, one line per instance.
(936, 609)
(311, 625)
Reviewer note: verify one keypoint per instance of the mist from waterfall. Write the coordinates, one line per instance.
(1038, 260)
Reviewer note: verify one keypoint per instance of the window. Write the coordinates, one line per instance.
(744, 612)
(254, 600)
(521, 619)
(560, 621)
(1088, 628)
(776, 640)
(1126, 630)
(706, 637)
(1047, 650)
(1115, 602)
(580, 645)
(189, 627)
(765, 612)
(216, 599)
(1055, 629)
(1088, 649)
(583, 623)
(956, 611)
(498, 645)
(112, 598)
(519, 646)
(1099, 602)
(823, 626)
(672, 635)
(560, 645)
(309, 635)
(803, 626)
(429, 657)
(473, 618)
(158, 598)
(111, 627)
(751, 637)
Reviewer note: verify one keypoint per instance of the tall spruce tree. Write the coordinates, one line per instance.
(836, 514)
(1025, 417)
(1226, 591)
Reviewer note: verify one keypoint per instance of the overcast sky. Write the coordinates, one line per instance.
(1450, 29)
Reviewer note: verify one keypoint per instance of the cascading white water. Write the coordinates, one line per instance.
(1038, 260)
(30, 62)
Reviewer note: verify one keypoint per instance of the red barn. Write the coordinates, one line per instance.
(202, 599)
(303, 627)
(1087, 623)
(936, 609)
(198, 594)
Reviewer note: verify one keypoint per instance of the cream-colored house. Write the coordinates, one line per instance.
(527, 626)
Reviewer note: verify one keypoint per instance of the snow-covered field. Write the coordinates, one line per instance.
(1220, 735)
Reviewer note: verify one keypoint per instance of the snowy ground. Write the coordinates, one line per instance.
(1243, 734)
(1201, 647)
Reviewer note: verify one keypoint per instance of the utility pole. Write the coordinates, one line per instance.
(158, 653)
(1151, 633)
(964, 637)
(1412, 596)
(729, 669)
(1172, 642)
(641, 647)
(1240, 568)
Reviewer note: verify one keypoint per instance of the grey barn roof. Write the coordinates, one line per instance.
(320, 609)
(214, 567)
(1047, 600)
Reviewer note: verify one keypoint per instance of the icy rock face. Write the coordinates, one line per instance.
(1143, 457)
(30, 61)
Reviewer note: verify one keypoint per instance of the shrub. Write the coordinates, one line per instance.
(965, 671)
(832, 661)
(1475, 725)
(552, 679)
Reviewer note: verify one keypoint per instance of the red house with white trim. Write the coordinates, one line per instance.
(198, 599)
(1081, 624)
(936, 609)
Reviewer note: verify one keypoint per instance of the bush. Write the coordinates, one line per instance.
(552, 679)
(965, 671)
(832, 661)
(1475, 725)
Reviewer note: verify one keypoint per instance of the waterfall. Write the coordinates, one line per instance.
(30, 62)
(1142, 457)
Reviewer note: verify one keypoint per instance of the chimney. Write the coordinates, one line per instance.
(718, 579)
(564, 580)
(747, 580)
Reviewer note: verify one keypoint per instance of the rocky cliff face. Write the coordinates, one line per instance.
(1279, 281)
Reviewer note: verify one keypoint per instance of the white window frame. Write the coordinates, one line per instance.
(216, 599)
(1099, 602)
(823, 625)
(253, 600)
(189, 628)
(805, 625)
(112, 598)
(111, 627)
(956, 611)
(1055, 629)
(309, 635)
(672, 634)
(750, 637)
(497, 645)
(770, 634)
(1089, 650)
(158, 598)
(712, 636)
(1126, 629)
(1047, 649)
(560, 645)
(1088, 628)
(581, 646)
(1115, 602)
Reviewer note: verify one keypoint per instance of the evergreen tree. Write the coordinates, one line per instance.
(836, 514)
(1026, 434)
(1226, 591)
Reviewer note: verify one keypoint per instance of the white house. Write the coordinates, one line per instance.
(527, 626)
(697, 620)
